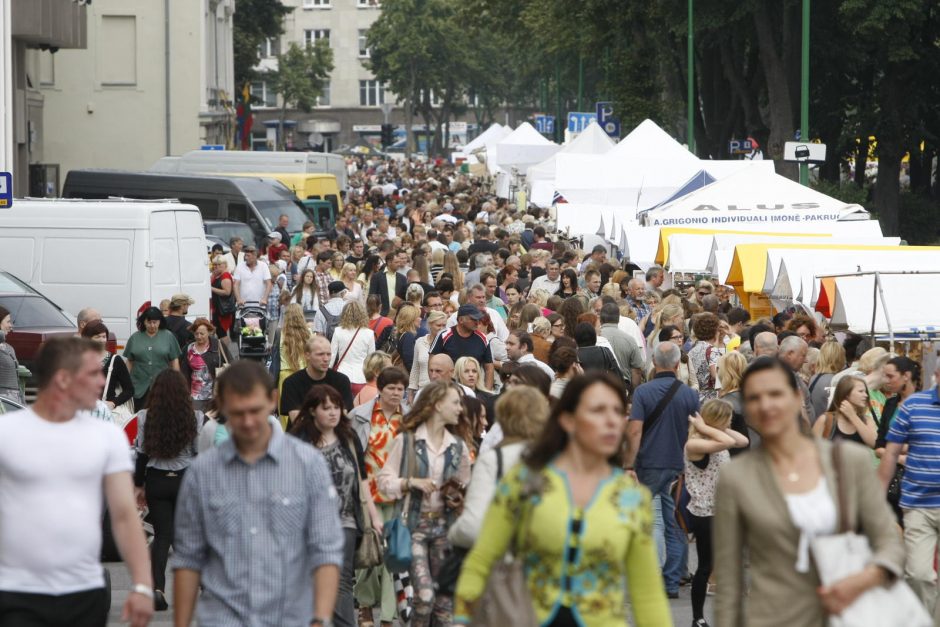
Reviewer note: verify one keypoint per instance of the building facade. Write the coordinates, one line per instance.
(155, 79)
(30, 26)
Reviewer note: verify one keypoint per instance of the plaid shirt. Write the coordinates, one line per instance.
(256, 532)
(323, 283)
(640, 307)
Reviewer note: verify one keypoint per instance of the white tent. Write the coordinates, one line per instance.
(587, 219)
(522, 148)
(754, 199)
(645, 168)
(639, 244)
(540, 178)
(855, 303)
(495, 133)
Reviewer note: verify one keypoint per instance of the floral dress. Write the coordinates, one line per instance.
(701, 357)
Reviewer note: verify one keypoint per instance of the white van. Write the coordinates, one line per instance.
(260, 161)
(112, 255)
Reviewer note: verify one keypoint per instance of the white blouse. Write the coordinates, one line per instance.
(814, 514)
(362, 347)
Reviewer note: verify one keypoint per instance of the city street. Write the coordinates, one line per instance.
(120, 583)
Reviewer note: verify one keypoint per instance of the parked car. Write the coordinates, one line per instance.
(225, 230)
(35, 319)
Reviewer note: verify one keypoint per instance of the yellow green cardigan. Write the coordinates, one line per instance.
(615, 545)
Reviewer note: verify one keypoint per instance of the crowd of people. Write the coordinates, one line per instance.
(447, 373)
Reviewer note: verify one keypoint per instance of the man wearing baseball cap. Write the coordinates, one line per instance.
(176, 322)
(465, 340)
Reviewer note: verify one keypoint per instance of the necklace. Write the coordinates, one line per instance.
(793, 477)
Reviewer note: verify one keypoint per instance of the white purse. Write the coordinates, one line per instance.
(847, 553)
(122, 414)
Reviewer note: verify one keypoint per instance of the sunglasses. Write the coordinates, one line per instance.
(704, 293)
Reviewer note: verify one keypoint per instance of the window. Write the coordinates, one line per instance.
(117, 50)
(317, 4)
(323, 100)
(269, 48)
(208, 207)
(311, 36)
(239, 213)
(263, 94)
(364, 42)
(371, 93)
(368, 4)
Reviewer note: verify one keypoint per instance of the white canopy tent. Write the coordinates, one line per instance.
(856, 302)
(485, 142)
(645, 168)
(540, 178)
(522, 148)
(755, 199)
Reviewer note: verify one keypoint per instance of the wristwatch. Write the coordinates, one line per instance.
(321, 622)
(140, 588)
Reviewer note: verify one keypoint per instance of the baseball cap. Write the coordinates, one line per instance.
(470, 310)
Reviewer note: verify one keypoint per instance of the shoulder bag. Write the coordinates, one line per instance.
(397, 534)
(506, 599)
(122, 414)
(846, 553)
(369, 551)
(348, 346)
(222, 366)
(661, 406)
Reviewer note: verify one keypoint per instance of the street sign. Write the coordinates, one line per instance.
(545, 124)
(578, 121)
(212, 147)
(6, 190)
(605, 118)
(804, 152)
(740, 147)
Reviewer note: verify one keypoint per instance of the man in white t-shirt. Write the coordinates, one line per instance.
(58, 467)
(252, 280)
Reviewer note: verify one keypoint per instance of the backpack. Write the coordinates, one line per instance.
(331, 321)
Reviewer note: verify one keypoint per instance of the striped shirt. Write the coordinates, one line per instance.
(917, 424)
(256, 532)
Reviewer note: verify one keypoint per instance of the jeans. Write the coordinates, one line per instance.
(345, 613)
(161, 487)
(658, 481)
(702, 528)
(87, 608)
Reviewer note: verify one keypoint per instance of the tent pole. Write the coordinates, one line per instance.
(884, 305)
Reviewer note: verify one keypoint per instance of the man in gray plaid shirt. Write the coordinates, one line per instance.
(257, 520)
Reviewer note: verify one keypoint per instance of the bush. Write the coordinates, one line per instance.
(846, 192)
(918, 219)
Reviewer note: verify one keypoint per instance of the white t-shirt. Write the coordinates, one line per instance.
(52, 500)
(251, 282)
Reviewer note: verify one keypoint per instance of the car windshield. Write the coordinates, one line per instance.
(9, 283)
(33, 312)
(225, 231)
(272, 210)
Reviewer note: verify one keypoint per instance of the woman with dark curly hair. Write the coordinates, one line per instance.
(705, 353)
(166, 444)
(323, 423)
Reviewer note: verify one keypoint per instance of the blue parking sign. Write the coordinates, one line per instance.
(606, 119)
(6, 190)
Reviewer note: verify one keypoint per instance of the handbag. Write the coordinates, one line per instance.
(846, 553)
(122, 413)
(227, 304)
(397, 556)
(369, 550)
(348, 346)
(506, 599)
(219, 370)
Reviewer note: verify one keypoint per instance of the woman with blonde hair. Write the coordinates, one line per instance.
(542, 338)
(521, 413)
(452, 267)
(428, 432)
(354, 291)
(437, 263)
(706, 451)
(831, 360)
(352, 342)
(420, 263)
(290, 341)
(406, 328)
(418, 375)
(731, 367)
(374, 364)
(467, 371)
(668, 313)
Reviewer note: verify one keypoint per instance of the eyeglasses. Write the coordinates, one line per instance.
(704, 293)
(677, 337)
(558, 324)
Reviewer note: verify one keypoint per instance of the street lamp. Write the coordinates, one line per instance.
(804, 92)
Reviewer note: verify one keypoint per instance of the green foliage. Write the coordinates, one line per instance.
(919, 219)
(253, 22)
(302, 71)
(848, 193)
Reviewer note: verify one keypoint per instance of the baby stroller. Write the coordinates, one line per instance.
(249, 332)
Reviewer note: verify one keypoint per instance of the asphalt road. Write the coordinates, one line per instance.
(120, 585)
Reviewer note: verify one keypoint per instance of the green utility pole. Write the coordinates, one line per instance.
(691, 95)
(804, 92)
(580, 80)
(558, 101)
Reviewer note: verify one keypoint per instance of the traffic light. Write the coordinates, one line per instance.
(387, 139)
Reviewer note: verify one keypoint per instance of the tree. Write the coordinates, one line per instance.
(254, 22)
(301, 75)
